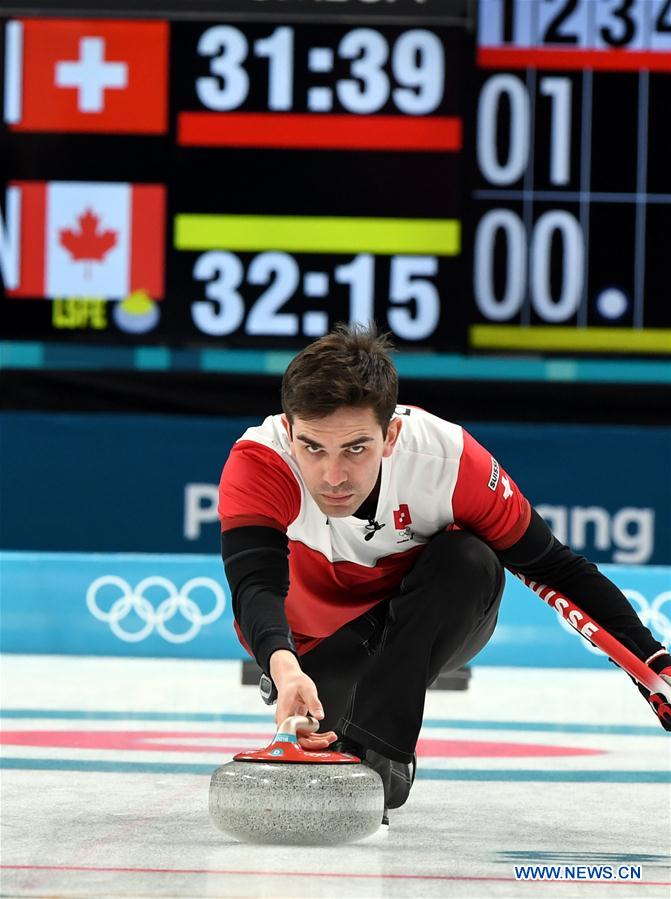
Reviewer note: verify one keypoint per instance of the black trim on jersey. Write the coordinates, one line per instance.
(257, 570)
(540, 556)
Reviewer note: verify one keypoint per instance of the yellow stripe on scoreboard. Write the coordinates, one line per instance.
(511, 337)
(318, 234)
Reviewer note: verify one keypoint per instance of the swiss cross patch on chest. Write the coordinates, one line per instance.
(402, 522)
(402, 517)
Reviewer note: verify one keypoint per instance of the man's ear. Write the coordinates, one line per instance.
(393, 431)
(287, 427)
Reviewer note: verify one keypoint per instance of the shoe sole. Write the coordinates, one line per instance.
(400, 773)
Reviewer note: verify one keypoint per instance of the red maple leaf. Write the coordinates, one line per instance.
(88, 242)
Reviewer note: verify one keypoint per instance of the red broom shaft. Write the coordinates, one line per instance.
(588, 628)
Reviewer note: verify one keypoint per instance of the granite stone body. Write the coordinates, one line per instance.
(301, 804)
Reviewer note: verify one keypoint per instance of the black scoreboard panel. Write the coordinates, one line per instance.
(275, 177)
(571, 205)
(351, 225)
(249, 180)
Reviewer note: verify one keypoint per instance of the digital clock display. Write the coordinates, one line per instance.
(360, 71)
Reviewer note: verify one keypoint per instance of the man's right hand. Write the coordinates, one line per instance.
(297, 695)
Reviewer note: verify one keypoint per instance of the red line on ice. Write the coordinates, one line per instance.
(160, 741)
(323, 874)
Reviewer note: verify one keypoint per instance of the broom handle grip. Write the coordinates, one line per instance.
(298, 722)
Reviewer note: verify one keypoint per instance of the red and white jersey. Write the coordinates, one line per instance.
(437, 477)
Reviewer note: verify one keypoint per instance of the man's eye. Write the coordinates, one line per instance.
(313, 450)
(357, 450)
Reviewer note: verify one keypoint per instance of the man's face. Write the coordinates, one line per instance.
(339, 456)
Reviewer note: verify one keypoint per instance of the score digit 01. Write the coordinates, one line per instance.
(560, 92)
(414, 301)
(417, 64)
(503, 173)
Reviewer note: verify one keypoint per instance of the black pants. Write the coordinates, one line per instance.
(373, 673)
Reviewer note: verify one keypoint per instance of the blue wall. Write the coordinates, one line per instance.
(147, 483)
(104, 605)
(130, 497)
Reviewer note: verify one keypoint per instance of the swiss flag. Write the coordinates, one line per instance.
(86, 75)
(84, 239)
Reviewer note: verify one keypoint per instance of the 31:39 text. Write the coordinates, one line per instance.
(411, 72)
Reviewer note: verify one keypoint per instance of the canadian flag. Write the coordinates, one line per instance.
(83, 239)
(86, 75)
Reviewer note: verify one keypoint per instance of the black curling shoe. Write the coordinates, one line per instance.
(397, 777)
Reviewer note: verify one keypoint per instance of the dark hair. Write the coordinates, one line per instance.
(351, 366)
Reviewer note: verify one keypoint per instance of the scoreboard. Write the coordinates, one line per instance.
(572, 197)
(248, 180)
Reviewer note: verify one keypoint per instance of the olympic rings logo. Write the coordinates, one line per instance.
(650, 613)
(176, 602)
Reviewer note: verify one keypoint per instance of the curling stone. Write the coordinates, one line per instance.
(286, 794)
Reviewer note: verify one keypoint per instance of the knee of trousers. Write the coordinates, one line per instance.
(458, 564)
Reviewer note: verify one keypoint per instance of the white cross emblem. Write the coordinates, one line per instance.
(91, 75)
(507, 489)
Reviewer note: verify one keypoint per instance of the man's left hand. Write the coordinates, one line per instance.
(661, 704)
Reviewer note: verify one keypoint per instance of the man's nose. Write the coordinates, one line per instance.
(334, 474)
